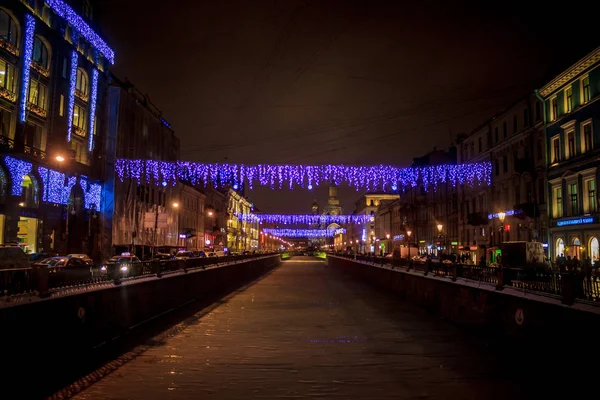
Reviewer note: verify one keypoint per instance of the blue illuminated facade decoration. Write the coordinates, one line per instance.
(17, 169)
(575, 221)
(72, 87)
(29, 31)
(78, 24)
(93, 109)
(93, 193)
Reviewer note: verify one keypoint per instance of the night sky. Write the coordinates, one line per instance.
(354, 82)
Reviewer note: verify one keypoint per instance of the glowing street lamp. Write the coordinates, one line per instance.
(175, 204)
(59, 158)
(501, 216)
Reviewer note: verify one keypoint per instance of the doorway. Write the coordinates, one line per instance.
(27, 234)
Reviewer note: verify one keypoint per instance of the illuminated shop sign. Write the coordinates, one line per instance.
(575, 221)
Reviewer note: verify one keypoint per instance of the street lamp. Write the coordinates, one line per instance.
(408, 233)
(175, 204)
(440, 227)
(59, 158)
(501, 216)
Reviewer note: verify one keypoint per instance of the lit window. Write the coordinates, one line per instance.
(588, 139)
(568, 100)
(80, 119)
(553, 109)
(558, 211)
(585, 90)
(573, 194)
(61, 106)
(591, 192)
(7, 76)
(37, 94)
(81, 85)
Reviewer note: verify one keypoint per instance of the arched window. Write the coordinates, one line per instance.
(594, 250)
(40, 53)
(81, 85)
(8, 29)
(575, 250)
(31, 191)
(560, 247)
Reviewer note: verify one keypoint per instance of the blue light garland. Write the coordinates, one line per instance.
(311, 219)
(381, 177)
(66, 12)
(29, 31)
(93, 193)
(300, 233)
(17, 169)
(72, 87)
(93, 109)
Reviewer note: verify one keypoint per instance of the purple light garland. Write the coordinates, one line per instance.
(29, 31)
(72, 86)
(383, 177)
(93, 193)
(93, 109)
(66, 12)
(300, 233)
(311, 219)
(17, 169)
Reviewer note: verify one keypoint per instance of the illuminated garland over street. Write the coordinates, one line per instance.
(292, 219)
(300, 233)
(383, 177)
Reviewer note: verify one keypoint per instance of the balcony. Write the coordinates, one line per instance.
(6, 144)
(477, 219)
(34, 152)
(37, 110)
(8, 95)
(6, 45)
(80, 95)
(45, 72)
(524, 165)
(78, 131)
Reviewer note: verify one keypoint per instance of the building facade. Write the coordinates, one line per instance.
(363, 237)
(242, 235)
(191, 218)
(53, 69)
(215, 220)
(141, 216)
(572, 115)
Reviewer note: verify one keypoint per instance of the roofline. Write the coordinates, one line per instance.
(576, 69)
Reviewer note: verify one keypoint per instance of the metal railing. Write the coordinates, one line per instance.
(40, 280)
(569, 285)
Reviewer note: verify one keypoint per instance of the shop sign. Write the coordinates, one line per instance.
(421, 241)
(454, 243)
(575, 221)
(473, 248)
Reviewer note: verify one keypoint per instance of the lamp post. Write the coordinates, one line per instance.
(501, 217)
(408, 233)
(440, 227)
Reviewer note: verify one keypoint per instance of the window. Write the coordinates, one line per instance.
(81, 85)
(505, 163)
(571, 144)
(504, 130)
(496, 135)
(515, 124)
(558, 210)
(541, 192)
(80, 119)
(573, 196)
(538, 111)
(34, 136)
(497, 167)
(81, 153)
(30, 191)
(5, 123)
(40, 53)
(568, 100)
(479, 144)
(64, 68)
(540, 149)
(61, 106)
(587, 137)
(555, 150)
(472, 149)
(526, 118)
(8, 29)
(528, 192)
(553, 109)
(517, 194)
(585, 90)
(37, 94)
(591, 192)
(7, 76)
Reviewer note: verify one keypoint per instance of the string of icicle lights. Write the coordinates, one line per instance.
(300, 233)
(310, 219)
(382, 177)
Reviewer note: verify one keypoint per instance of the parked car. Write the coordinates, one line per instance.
(61, 262)
(184, 255)
(199, 254)
(212, 254)
(162, 257)
(125, 259)
(11, 256)
(35, 257)
(220, 253)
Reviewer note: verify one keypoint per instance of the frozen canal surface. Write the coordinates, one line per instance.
(308, 332)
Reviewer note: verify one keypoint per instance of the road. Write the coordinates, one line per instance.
(307, 332)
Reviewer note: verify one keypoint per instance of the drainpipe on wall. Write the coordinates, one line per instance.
(548, 192)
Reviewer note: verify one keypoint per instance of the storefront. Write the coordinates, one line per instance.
(576, 237)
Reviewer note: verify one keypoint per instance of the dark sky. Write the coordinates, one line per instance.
(319, 81)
